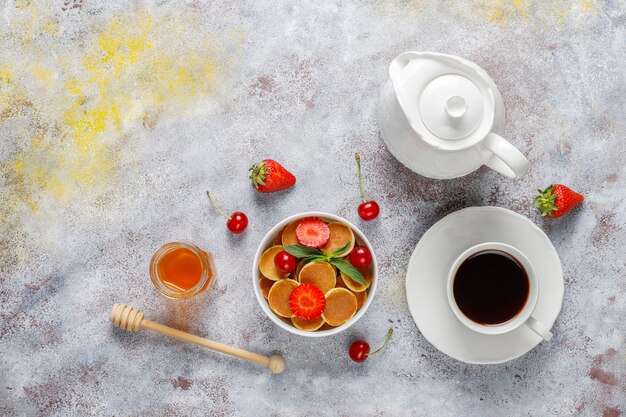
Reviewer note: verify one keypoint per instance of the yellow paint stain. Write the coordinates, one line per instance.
(40, 177)
(561, 17)
(38, 171)
(137, 67)
(500, 10)
(6, 74)
(87, 124)
(32, 20)
(44, 74)
(53, 169)
(548, 13)
(240, 35)
(118, 48)
(22, 4)
(588, 6)
(74, 87)
(8, 92)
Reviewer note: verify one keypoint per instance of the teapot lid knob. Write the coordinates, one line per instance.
(456, 106)
(452, 107)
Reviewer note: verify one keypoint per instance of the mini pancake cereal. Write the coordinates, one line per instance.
(326, 297)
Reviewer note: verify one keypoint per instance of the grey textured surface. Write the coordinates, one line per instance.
(115, 119)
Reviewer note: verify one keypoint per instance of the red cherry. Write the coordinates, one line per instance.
(285, 262)
(369, 210)
(237, 222)
(359, 350)
(360, 257)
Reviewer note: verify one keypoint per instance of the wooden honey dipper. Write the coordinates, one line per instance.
(129, 318)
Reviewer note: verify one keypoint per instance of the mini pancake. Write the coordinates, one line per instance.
(340, 306)
(320, 274)
(289, 234)
(340, 234)
(357, 286)
(296, 272)
(268, 267)
(265, 284)
(278, 239)
(340, 283)
(361, 298)
(308, 325)
(278, 297)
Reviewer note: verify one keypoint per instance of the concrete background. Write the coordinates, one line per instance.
(115, 118)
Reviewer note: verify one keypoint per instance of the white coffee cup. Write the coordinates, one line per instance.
(524, 317)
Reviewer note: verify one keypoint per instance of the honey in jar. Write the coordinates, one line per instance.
(182, 270)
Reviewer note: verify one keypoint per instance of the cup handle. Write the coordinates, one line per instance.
(505, 158)
(538, 328)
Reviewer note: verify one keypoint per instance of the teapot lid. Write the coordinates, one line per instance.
(451, 106)
(447, 100)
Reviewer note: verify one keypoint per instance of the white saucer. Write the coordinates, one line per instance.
(427, 275)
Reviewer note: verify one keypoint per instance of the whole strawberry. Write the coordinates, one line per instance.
(269, 176)
(556, 200)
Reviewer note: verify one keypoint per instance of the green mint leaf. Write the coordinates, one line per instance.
(339, 251)
(320, 258)
(300, 251)
(347, 268)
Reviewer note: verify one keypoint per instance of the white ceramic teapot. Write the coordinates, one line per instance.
(442, 117)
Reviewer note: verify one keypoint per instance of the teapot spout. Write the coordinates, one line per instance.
(400, 63)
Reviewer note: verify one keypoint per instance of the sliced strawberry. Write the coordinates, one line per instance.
(307, 301)
(312, 232)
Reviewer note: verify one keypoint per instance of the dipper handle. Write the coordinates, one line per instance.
(129, 318)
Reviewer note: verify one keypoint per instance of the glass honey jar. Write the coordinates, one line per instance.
(182, 270)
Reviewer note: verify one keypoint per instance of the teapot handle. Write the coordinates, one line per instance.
(505, 158)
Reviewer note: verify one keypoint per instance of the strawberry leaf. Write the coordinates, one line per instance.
(546, 201)
(348, 269)
(258, 174)
(300, 251)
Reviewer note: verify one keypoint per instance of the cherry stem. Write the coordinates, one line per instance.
(389, 333)
(358, 164)
(219, 210)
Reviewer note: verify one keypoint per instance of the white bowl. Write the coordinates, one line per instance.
(256, 275)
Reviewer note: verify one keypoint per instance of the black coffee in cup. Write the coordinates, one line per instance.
(491, 287)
